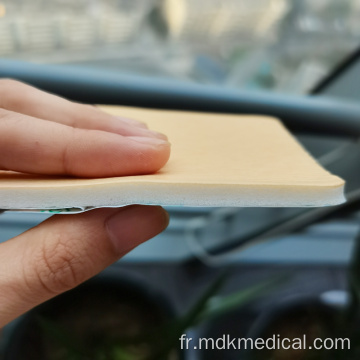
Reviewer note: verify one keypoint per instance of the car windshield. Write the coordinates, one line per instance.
(276, 45)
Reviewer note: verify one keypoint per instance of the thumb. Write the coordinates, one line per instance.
(66, 250)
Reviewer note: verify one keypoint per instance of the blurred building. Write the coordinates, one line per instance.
(43, 26)
(212, 20)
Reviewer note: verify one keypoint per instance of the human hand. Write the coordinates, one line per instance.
(44, 134)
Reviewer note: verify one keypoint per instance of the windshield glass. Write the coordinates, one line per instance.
(276, 45)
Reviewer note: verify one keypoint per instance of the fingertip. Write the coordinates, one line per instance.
(114, 155)
(155, 153)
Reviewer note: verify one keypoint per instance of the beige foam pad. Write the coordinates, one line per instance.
(216, 160)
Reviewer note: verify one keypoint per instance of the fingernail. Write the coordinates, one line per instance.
(132, 225)
(156, 134)
(132, 122)
(152, 141)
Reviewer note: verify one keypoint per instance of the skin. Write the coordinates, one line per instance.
(44, 134)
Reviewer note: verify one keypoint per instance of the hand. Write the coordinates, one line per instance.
(44, 134)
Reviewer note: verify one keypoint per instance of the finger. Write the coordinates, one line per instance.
(37, 146)
(66, 250)
(18, 97)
